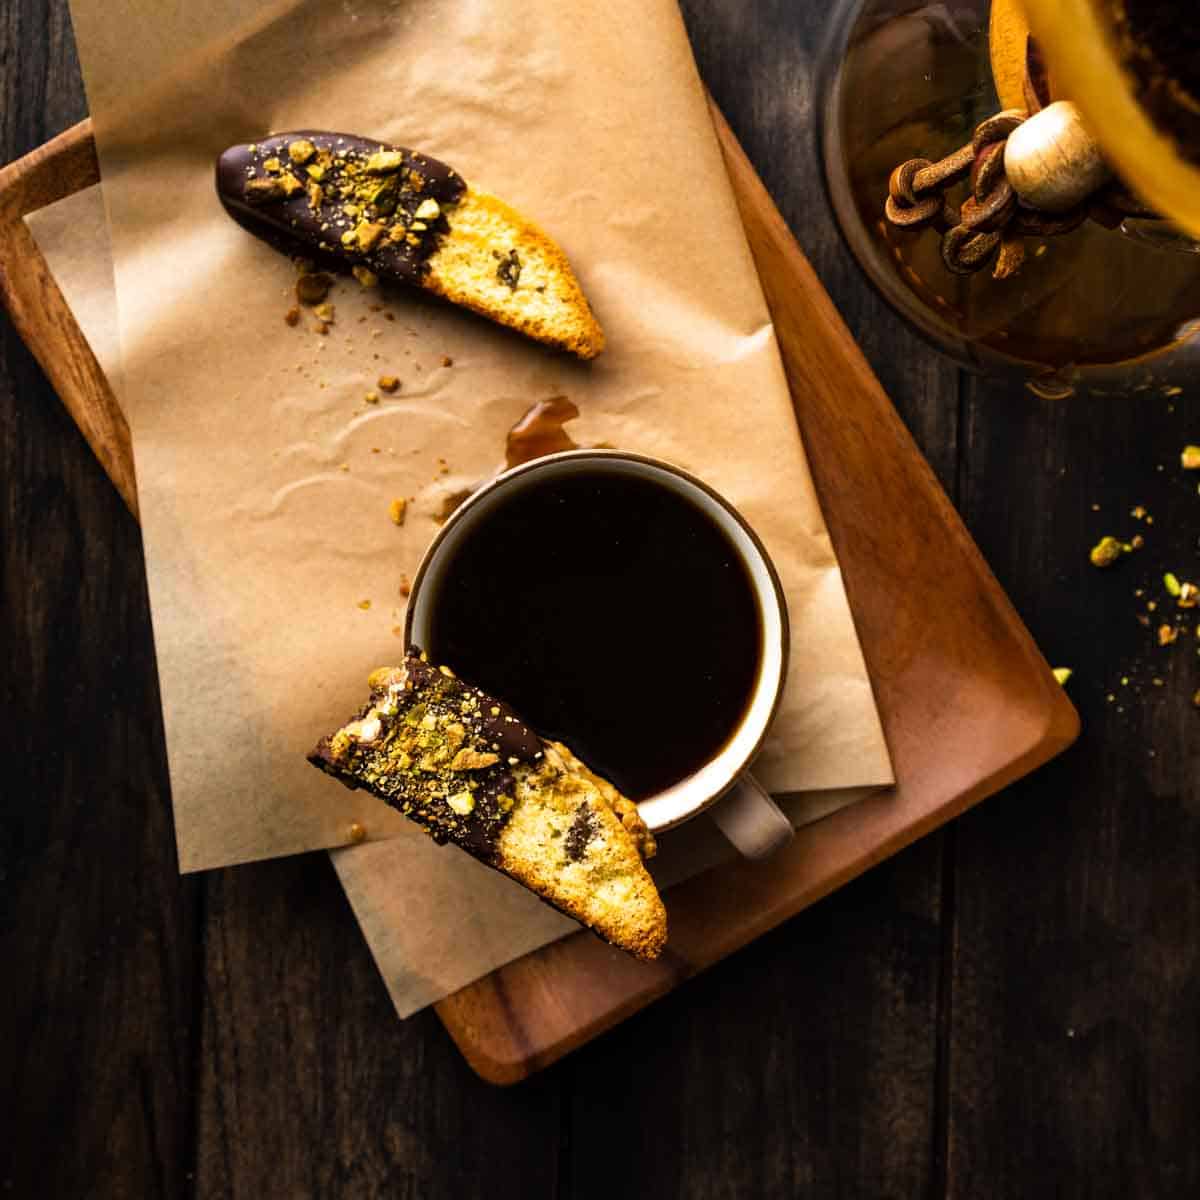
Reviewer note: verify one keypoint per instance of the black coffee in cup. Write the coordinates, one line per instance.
(613, 614)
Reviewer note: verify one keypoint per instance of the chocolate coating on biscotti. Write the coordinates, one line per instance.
(336, 194)
(436, 749)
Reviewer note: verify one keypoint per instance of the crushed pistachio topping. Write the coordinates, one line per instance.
(383, 207)
(462, 802)
(263, 191)
(1062, 674)
(428, 746)
(301, 150)
(384, 162)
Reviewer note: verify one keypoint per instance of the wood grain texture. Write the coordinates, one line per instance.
(309, 1086)
(1075, 985)
(97, 931)
(1004, 1009)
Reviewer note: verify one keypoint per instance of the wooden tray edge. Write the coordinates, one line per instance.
(42, 317)
(501, 1059)
(64, 165)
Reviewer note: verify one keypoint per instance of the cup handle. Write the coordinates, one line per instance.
(751, 820)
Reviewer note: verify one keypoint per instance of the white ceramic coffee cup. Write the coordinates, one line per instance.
(741, 808)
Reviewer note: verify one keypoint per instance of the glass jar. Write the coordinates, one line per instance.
(904, 80)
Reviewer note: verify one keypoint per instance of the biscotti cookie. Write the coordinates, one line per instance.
(408, 218)
(467, 769)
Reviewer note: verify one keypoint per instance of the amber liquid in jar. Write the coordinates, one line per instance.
(915, 84)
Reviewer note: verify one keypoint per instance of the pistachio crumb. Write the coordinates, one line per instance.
(371, 397)
(1062, 674)
(384, 161)
(301, 150)
(397, 511)
(462, 802)
(313, 286)
(472, 760)
(1171, 584)
(367, 234)
(262, 191)
(1105, 552)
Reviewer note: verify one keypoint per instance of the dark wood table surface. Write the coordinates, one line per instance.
(1010, 1008)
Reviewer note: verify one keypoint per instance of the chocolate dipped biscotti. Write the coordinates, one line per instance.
(467, 769)
(408, 218)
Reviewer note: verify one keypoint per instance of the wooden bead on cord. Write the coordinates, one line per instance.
(1051, 160)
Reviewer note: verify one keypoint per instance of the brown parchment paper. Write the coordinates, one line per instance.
(264, 476)
(395, 920)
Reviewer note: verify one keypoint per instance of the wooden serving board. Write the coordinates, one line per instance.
(968, 703)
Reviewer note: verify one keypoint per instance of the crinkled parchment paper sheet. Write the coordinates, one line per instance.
(265, 476)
